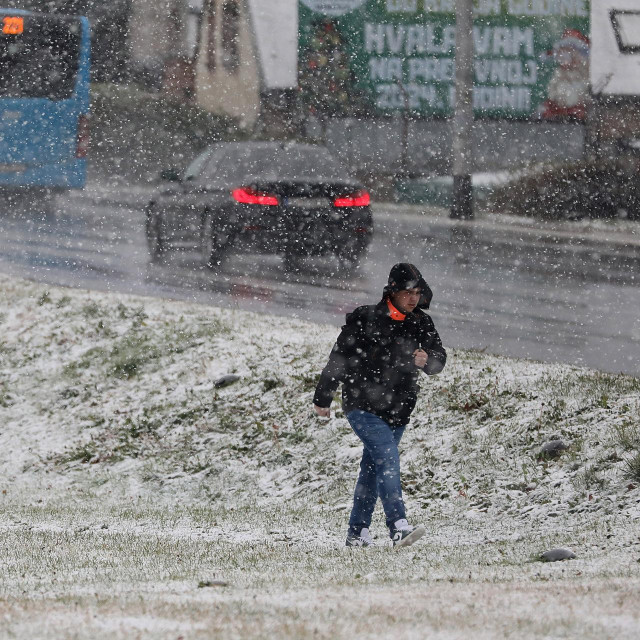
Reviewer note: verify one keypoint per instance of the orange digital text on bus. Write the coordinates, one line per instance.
(13, 25)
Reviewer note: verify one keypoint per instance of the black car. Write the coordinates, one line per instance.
(290, 199)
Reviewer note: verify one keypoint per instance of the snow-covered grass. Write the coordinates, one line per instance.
(137, 499)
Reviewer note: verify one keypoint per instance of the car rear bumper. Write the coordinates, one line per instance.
(301, 231)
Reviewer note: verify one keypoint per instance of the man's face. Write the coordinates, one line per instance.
(406, 300)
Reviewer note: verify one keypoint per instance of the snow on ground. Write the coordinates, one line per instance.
(138, 499)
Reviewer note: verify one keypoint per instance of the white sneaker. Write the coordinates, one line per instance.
(404, 535)
(364, 539)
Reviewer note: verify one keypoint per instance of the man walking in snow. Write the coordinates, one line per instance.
(378, 357)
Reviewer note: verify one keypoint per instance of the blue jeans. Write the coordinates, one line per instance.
(379, 471)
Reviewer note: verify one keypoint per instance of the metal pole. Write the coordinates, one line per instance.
(462, 205)
(404, 134)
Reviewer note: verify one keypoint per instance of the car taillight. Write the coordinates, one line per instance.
(247, 195)
(82, 137)
(358, 199)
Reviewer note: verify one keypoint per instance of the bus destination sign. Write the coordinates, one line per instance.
(13, 25)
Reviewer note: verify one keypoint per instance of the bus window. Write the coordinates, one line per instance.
(39, 57)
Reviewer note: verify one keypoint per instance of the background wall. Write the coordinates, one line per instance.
(377, 146)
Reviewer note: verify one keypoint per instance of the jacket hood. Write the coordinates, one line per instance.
(406, 276)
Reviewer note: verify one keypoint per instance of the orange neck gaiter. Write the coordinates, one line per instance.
(394, 313)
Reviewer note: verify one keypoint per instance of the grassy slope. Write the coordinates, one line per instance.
(129, 483)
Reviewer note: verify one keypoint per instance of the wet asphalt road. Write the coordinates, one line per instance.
(503, 295)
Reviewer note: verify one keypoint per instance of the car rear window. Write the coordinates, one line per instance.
(275, 163)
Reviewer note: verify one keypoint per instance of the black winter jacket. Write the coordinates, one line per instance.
(373, 358)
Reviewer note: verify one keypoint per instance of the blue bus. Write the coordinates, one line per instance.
(44, 101)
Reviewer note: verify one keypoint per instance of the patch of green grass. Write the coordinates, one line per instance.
(553, 413)
(212, 327)
(589, 478)
(223, 421)
(70, 392)
(627, 435)
(189, 416)
(597, 384)
(83, 453)
(297, 435)
(116, 440)
(586, 390)
(44, 298)
(125, 312)
(6, 399)
(271, 383)
(462, 396)
(125, 357)
(145, 424)
(130, 354)
(632, 467)
(93, 310)
(95, 420)
(308, 383)
(90, 358)
(197, 464)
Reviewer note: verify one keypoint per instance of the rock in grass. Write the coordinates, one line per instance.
(553, 448)
(555, 555)
(212, 583)
(225, 381)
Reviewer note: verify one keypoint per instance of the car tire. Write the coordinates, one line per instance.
(155, 240)
(213, 243)
(351, 255)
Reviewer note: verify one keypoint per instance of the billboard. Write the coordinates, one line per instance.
(616, 47)
(379, 57)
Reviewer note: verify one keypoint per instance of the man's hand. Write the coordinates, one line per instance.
(420, 358)
(323, 412)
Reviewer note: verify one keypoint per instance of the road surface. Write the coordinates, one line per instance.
(492, 291)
